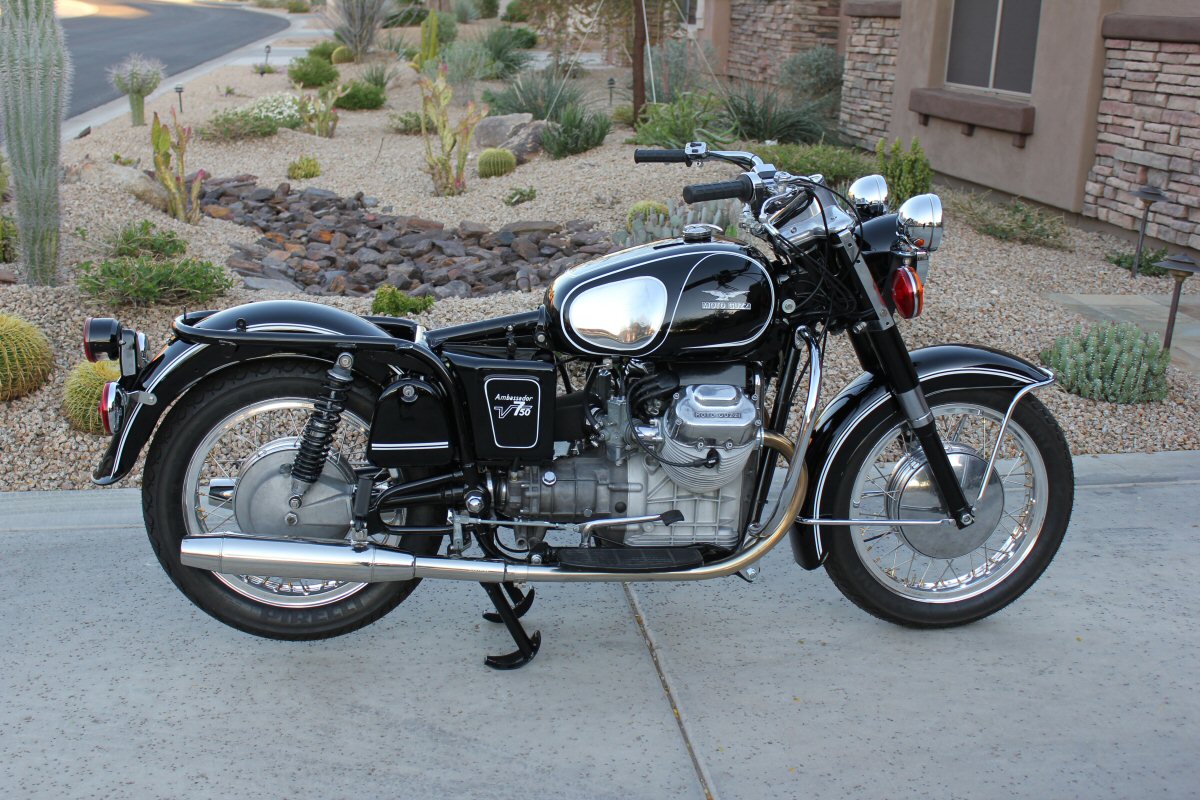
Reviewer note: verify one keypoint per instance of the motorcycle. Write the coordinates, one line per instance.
(311, 466)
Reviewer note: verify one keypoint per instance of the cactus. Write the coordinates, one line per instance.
(447, 165)
(341, 55)
(496, 161)
(429, 43)
(317, 113)
(25, 357)
(1113, 362)
(183, 202)
(81, 394)
(3, 180)
(656, 225)
(645, 210)
(35, 78)
(136, 76)
(303, 168)
(8, 240)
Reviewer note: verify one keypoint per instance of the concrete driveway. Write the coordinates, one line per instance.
(115, 686)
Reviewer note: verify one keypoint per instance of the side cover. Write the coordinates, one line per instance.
(410, 427)
(939, 369)
(511, 404)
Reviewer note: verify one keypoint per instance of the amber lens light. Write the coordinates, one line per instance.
(908, 293)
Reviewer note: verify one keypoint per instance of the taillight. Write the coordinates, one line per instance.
(908, 293)
(110, 407)
(101, 338)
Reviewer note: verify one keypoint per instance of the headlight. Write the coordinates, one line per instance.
(869, 195)
(920, 220)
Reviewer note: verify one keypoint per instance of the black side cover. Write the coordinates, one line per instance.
(511, 404)
(410, 428)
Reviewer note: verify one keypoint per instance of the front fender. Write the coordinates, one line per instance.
(183, 364)
(939, 368)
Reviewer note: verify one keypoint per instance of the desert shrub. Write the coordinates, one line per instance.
(1013, 221)
(762, 114)
(623, 115)
(447, 28)
(645, 210)
(303, 168)
(496, 161)
(405, 14)
(145, 239)
(81, 394)
(323, 50)
(537, 92)
(505, 54)
(488, 9)
(1124, 260)
(236, 124)
(406, 122)
(311, 72)
(145, 281)
(25, 357)
(1113, 362)
(813, 78)
(361, 96)
(380, 75)
(4, 178)
(520, 195)
(679, 68)
(517, 11)
(464, 64)
(8, 240)
(264, 69)
(465, 11)
(576, 130)
(391, 302)
(693, 117)
(907, 173)
(342, 56)
(524, 38)
(356, 23)
(839, 165)
(298, 7)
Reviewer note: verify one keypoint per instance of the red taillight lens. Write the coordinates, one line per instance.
(101, 338)
(109, 411)
(908, 293)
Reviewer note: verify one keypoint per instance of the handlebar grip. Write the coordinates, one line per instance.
(641, 156)
(740, 189)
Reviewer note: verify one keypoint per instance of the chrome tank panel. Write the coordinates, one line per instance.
(669, 299)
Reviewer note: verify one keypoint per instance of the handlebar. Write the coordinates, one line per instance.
(741, 188)
(641, 156)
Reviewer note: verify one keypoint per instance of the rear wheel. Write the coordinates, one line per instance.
(221, 462)
(939, 575)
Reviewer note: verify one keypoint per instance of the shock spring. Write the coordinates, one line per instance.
(322, 426)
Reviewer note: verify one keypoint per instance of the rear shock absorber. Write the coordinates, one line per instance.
(317, 438)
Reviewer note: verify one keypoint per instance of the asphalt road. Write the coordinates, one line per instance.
(177, 34)
(113, 685)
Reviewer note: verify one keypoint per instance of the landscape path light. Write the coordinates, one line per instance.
(612, 84)
(1149, 195)
(179, 91)
(1181, 267)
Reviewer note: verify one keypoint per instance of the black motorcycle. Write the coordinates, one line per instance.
(314, 465)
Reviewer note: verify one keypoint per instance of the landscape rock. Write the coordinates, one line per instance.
(269, 284)
(133, 182)
(526, 141)
(495, 131)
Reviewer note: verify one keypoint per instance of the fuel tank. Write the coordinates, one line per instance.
(669, 299)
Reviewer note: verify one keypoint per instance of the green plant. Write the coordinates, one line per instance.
(447, 162)
(298, 7)
(145, 239)
(392, 302)
(761, 115)
(623, 115)
(318, 114)
(652, 225)
(576, 130)
(408, 12)
(517, 11)
(1124, 260)
(465, 11)
(839, 165)
(356, 23)
(447, 28)
(342, 55)
(311, 72)
(524, 38)
(506, 57)
(465, 63)
(678, 67)
(233, 125)
(264, 69)
(406, 122)
(488, 9)
(1113, 362)
(323, 50)
(693, 117)
(303, 168)
(117, 158)
(379, 75)
(520, 195)
(496, 161)
(1013, 221)
(35, 72)
(136, 76)
(281, 107)
(4, 176)
(8, 240)
(813, 79)
(907, 173)
(539, 92)
(428, 50)
(81, 394)
(645, 210)
(170, 149)
(144, 281)
(361, 96)
(25, 357)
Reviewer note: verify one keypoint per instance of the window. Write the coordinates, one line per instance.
(992, 43)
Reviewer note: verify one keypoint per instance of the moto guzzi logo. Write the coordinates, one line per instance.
(506, 405)
(726, 300)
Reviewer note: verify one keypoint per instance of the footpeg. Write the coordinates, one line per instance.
(628, 559)
(527, 646)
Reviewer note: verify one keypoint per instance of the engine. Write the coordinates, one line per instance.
(671, 442)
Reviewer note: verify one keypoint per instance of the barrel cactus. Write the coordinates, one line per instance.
(25, 357)
(1114, 362)
(652, 224)
(81, 395)
(341, 55)
(496, 161)
(647, 211)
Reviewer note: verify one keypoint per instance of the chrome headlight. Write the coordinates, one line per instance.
(920, 220)
(870, 193)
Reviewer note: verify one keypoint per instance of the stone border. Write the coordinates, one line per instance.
(887, 9)
(1146, 28)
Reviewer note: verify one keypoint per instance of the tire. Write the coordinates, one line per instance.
(867, 563)
(236, 600)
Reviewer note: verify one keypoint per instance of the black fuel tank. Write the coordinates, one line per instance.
(669, 299)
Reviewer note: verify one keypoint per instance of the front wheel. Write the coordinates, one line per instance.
(939, 575)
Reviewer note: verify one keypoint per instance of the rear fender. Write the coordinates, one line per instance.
(182, 365)
(939, 369)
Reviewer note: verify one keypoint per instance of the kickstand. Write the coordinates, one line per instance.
(527, 646)
(521, 602)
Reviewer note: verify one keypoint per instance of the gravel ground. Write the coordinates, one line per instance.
(980, 290)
